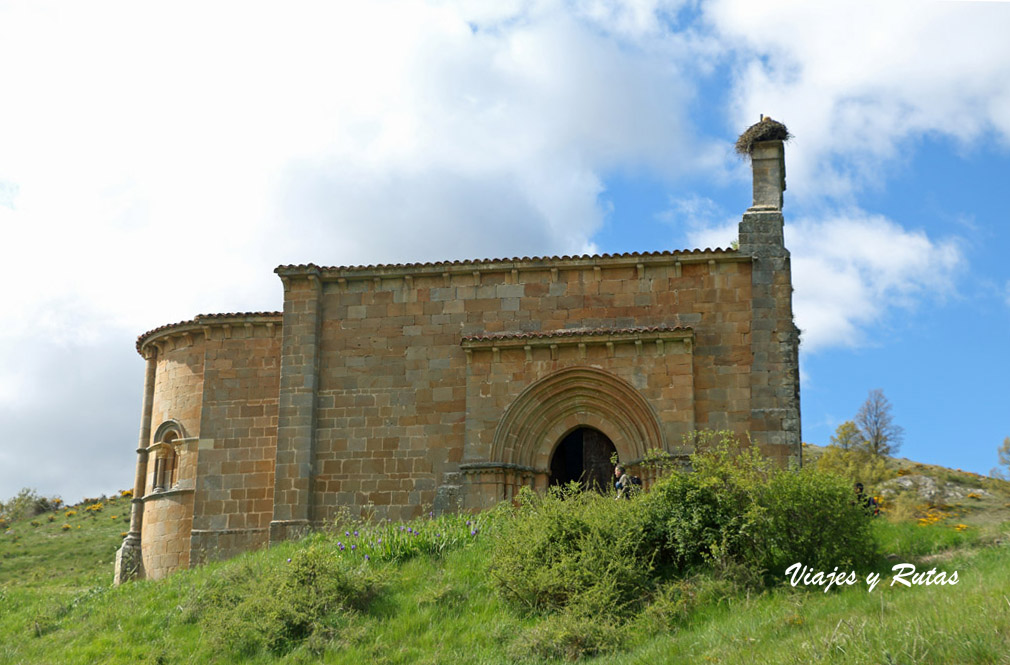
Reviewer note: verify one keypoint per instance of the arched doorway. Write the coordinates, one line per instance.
(583, 456)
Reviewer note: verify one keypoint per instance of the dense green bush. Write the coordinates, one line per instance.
(735, 508)
(574, 550)
(710, 512)
(855, 465)
(305, 600)
(735, 518)
(568, 636)
(811, 517)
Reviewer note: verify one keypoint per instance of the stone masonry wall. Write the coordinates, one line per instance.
(395, 386)
(178, 388)
(165, 542)
(238, 440)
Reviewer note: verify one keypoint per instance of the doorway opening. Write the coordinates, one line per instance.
(584, 456)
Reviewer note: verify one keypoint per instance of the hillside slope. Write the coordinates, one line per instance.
(424, 595)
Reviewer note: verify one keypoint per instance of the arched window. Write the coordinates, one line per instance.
(165, 456)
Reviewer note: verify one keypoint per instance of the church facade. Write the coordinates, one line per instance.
(401, 389)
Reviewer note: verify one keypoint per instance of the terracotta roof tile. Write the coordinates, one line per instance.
(201, 318)
(477, 262)
(572, 332)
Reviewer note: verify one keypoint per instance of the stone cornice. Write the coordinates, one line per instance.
(583, 262)
(183, 333)
(580, 337)
(163, 494)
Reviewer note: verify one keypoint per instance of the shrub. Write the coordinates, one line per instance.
(735, 522)
(28, 503)
(811, 517)
(855, 465)
(252, 609)
(568, 636)
(695, 516)
(739, 514)
(572, 550)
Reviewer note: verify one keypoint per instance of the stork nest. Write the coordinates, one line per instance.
(766, 130)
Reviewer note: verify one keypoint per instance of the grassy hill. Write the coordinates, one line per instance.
(425, 595)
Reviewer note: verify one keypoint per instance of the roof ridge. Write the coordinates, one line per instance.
(465, 262)
(196, 320)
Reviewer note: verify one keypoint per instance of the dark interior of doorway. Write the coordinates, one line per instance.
(583, 456)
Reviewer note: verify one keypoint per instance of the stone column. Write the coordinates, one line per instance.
(775, 383)
(296, 418)
(129, 564)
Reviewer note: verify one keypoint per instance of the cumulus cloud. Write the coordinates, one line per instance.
(158, 163)
(859, 83)
(851, 269)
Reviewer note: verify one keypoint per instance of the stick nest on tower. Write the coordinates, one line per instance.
(766, 130)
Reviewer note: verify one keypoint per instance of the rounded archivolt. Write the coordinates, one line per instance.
(577, 397)
(169, 427)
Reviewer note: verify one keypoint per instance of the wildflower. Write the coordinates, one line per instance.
(289, 559)
(473, 532)
(347, 533)
(468, 522)
(354, 547)
(355, 534)
(380, 540)
(366, 557)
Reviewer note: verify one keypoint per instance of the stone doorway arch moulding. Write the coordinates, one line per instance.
(547, 410)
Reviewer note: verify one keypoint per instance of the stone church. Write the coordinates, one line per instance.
(401, 389)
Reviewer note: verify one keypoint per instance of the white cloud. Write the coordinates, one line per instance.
(160, 162)
(157, 162)
(860, 82)
(851, 270)
(185, 153)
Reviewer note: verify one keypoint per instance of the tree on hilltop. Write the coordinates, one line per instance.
(876, 425)
(1004, 460)
(847, 436)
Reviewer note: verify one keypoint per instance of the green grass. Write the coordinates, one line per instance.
(437, 604)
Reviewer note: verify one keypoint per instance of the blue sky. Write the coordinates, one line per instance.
(159, 163)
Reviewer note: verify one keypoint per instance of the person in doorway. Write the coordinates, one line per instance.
(622, 482)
